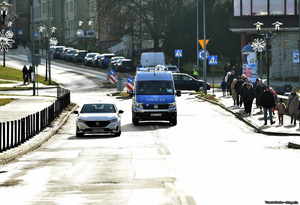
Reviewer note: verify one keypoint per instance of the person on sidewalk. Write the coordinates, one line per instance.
(25, 74)
(248, 97)
(281, 109)
(30, 70)
(259, 90)
(230, 78)
(293, 106)
(238, 89)
(268, 103)
(233, 92)
(223, 87)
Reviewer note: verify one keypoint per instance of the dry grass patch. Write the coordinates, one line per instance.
(4, 101)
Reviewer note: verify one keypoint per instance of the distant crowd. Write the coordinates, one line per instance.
(243, 93)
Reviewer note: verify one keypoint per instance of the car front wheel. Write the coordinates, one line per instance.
(79, 134)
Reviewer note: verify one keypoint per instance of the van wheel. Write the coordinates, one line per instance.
(135, 121)
(173, 122)
(118, 134)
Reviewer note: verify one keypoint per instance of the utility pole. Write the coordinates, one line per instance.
(205, 56)
(32, 48)
(197, 54)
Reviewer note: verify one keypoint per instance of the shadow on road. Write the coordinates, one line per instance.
(87, 137)
(145, 126)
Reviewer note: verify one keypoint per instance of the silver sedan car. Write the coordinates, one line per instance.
(99, 118)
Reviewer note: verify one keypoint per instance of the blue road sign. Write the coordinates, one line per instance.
(212, 60)
(202, 53)
(178, 53)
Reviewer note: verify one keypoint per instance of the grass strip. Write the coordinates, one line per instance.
(8, 73)
(4, 101)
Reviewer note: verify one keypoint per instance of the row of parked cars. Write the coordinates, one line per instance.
(120, 63)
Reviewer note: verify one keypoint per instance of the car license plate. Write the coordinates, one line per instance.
(155, 114)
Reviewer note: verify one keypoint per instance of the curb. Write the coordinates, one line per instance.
(37, 140)
(258, 130)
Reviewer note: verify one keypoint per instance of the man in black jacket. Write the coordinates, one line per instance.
(268, 102)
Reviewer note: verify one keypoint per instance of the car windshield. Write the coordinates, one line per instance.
(162, 87)
(91, 55)
(172, 68)
(98, 108)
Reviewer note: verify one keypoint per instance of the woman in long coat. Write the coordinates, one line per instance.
(293, 106)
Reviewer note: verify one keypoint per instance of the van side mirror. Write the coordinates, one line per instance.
(178, 93)
(121, 111)
(76, 112)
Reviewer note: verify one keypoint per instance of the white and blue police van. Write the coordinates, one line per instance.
(154, 96)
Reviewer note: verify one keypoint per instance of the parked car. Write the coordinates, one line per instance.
(184, 81)
(103, 57)
(172, 68)
(88, 59)
(69, 55)
(96, 60)
(57, 51)
(79, 56)
(62, 55)
(114, 60)
(125, 66)
(99, 118)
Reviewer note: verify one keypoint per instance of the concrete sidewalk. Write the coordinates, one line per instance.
(256, 119)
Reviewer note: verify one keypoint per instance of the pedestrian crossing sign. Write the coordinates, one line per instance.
(178, 53)
(212, 60)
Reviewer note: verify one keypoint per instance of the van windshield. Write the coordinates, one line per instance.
(162, 87)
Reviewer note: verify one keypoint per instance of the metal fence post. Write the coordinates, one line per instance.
(1, 139)
(7, 135)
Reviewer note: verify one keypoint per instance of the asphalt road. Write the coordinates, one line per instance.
(210, 157)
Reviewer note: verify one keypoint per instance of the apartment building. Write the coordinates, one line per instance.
(284, 44)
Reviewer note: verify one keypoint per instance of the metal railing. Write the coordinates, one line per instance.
(14, 133)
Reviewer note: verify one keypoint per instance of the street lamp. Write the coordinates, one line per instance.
(264, 44)
(6, 35)
(82, 33)
(50, 41)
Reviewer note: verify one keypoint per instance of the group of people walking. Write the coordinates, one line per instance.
(27, 73)
(243, 92)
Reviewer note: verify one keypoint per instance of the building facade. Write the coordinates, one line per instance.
(284, 44)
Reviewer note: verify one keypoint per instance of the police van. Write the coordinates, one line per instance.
(154, 97)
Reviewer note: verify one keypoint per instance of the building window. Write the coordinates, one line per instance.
(237, 7)
(277, 7)
(246, 7)
(259, 7)
(290, 7)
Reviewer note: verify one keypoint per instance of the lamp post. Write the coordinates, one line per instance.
(82, 32)
(265, 43)
(50, 41)
(6, 34)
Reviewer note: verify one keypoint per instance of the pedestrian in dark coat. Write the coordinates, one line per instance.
(248, 97)
(293, 106)
(259, 90)
(25, 74)
(223, 87)
(30, 70)
(268, 103)
(238, 89)
(229, 81)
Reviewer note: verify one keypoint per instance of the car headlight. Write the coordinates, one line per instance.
(172, 105)
(114, 120)
(138, 105)
(80, 120)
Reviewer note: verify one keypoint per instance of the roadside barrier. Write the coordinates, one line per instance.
(14, 133)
